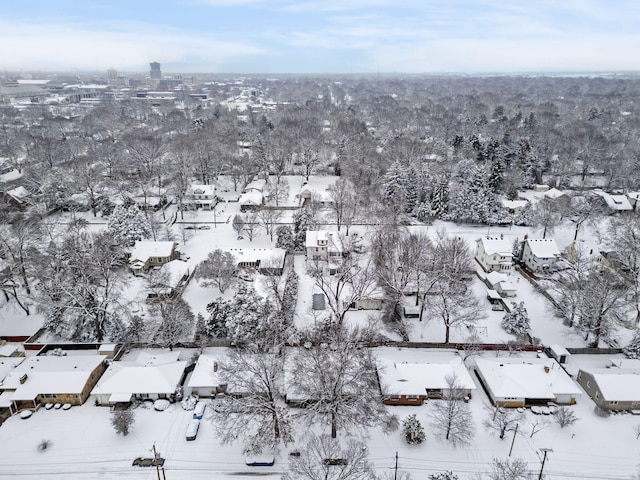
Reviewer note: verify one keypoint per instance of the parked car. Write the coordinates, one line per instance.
(260, 461)
(204, 227)
(192, 430)
(198, 411)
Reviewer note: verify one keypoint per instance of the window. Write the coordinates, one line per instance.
(613, 402)
(597, 396)
(588, 384)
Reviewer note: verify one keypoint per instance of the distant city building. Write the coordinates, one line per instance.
(155, 72)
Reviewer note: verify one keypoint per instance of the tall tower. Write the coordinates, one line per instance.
(155, 72)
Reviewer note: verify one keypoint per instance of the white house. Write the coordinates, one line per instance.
(540, 254)
(514, 206)
(500, 283)
(526, 381)
(322, 245)
(494, 254)
(171, 279)
(149, 377)
(268, 261)
(407, 380)
(205, 380)
(251, 200)
(202, 196)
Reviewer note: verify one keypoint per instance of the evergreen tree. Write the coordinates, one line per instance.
(633, 349)
(413, 430)
(516, 321)
(440, 198)
(127, 225)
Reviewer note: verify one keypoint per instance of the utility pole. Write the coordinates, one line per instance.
(514, 439)
(155, 460)
(395, 475)
(544, 459)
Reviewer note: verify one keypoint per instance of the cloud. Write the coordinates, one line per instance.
(128, 46)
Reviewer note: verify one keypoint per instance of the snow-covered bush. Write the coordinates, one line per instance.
(516, 321)
(633, 349)
(413, 430)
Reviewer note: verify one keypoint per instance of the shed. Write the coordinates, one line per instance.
(559, 353)
(411, 312)
(317, 302)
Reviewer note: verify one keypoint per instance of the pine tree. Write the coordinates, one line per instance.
(633, 349)
(516, 321)
(440, 198)
(127, 225)
(413, 430)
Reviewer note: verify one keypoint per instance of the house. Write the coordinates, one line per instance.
(515, 207)
(7, 365)
(147, 254)
(267, 261)
(251, 200)
(322, 245)
(407, 379)
(18, 197)
(255, 186)
(500, 283)
(525, 381)
(615, 203)
(170, 280)
(205, 379)
(558, 353)
(540, 254)
(494, 254)
(319, 196)
(148, 377)
(50, 379)
(584, 250)
(614, 387)
(202, 196)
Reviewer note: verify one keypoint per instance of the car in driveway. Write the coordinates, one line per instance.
(192, 430)
(198, 411)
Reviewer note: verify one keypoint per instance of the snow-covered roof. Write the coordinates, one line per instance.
(251, 198)
(145, 249)
(256, 185)
(414, 378)
(134, 378)
(50, 374)
(206, 372)
(514, 204)
(496, 245)
(525, 377)
(19, 193)
(617, 384)
(543, 247)
(152, 358)
(316, 238)
(494, 278)
(203, 189)
(266, 256)
(7, 365)
(8, 349)
(615, 202)
(552, 193)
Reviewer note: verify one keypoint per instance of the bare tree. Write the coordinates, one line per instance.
(452, 419)
(565, 416)
(351, 281)
(269, 218)
(537, 424)
(501, 420)
(218, 269)
(343, 200)
(510, 469)
(257, 414)
(324, 458)
(329, 378)
(251, 225)
(238, 224)
(547, 215)
(176, 319)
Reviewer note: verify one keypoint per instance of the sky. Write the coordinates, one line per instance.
(321, 36)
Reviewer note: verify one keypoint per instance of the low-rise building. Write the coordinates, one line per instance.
(614, 387)
(526, 381)
(540, 254)
(494, 254)
(148, 253)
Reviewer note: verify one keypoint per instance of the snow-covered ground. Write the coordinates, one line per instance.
(84, 445)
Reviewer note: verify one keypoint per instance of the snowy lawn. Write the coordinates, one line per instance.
(84, 444)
